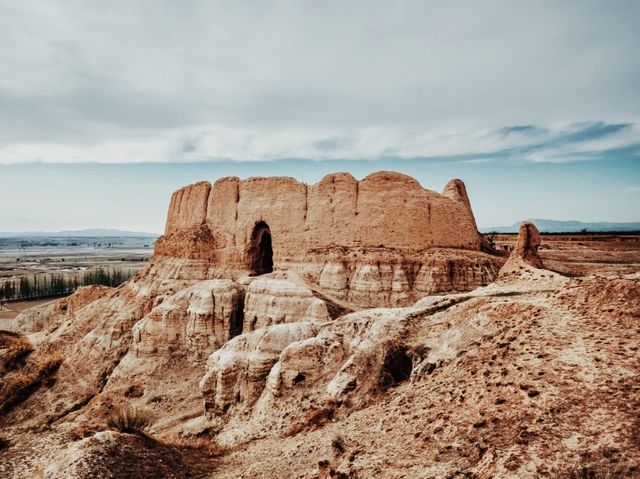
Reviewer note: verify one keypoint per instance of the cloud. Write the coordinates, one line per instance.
(557, 144)
(167, 81)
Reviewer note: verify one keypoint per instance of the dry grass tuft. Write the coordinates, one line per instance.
(19, 386)
(17, 389)
(48, 365)
(130, 420)
(16, 353)
(338, 444)
(210, 446)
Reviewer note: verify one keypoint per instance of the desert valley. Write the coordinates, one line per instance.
(343, 329)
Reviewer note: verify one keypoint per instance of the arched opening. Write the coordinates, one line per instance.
(260, 254)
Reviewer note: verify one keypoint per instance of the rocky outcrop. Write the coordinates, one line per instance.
(527, 245)
(381, 279)
(287, 369)
(273, 301)
(236, 373)
(525, 253)
(39, 319)
(198, 319)
(457, 191)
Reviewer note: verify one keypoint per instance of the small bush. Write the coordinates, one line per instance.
(338, 444)
(20, 385)
(16, 353)
(129, 420)
(48, 365)
(17, 389)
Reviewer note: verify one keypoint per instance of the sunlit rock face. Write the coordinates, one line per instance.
(273, 301)
(381, 241)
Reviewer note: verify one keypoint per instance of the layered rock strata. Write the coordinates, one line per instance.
(273, 301)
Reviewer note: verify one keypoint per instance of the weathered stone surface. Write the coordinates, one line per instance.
(236, 373)
(198, 319)
(457, 191)
(497, 375)
(381, 241)
(387, 210)
(525, 253)
(38, 319)
(188, 207)
(271, 374)
(527, 245)
(274, 301)
(381, 279)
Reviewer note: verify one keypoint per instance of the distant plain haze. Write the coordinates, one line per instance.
(107, 107)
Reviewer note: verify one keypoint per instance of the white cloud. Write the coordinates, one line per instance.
(556, 144)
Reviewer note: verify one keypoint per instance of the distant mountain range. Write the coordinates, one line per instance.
(554, 226)
(86, 233)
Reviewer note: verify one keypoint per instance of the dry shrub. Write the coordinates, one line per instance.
(19, 386)
(338, 444)
(129, 420)
(17, 389)
(48, 365)
(16, 353)
(210, 446)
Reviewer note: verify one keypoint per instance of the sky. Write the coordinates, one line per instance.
(106, 107)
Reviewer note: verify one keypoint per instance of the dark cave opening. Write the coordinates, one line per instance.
(261, 250)
(397, 368)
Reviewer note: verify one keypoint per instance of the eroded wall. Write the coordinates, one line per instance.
(385, 210)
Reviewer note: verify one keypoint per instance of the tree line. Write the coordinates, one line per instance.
(43, 285)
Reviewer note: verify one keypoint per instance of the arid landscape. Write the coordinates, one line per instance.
(289, 239)
(341, 329)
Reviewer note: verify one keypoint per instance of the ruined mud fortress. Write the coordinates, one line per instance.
(381, 241)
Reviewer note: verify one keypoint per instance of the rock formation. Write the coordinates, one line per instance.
(524, 256)
(273, 301)
(381, 241)
(199, 319)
